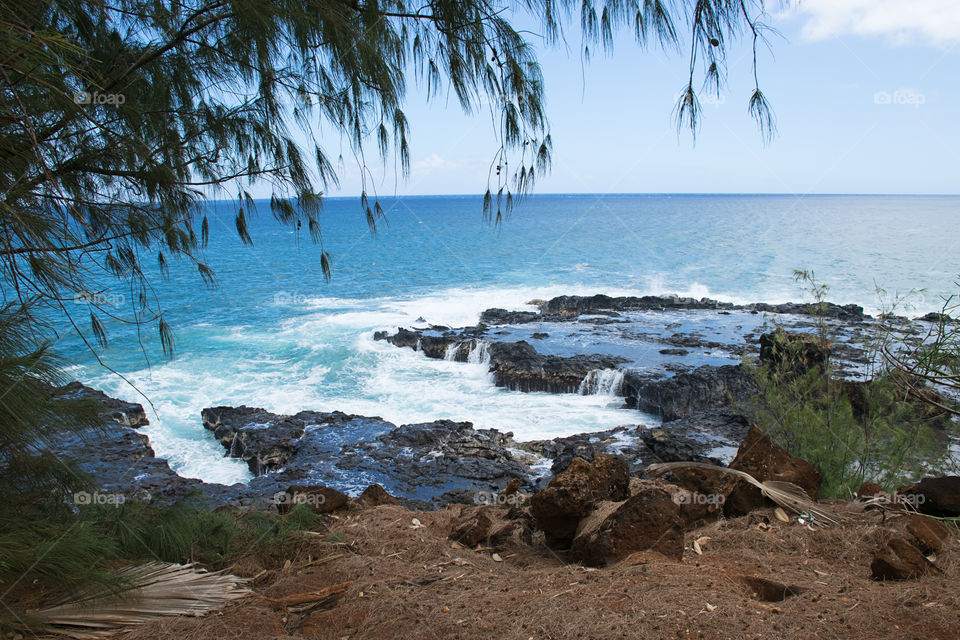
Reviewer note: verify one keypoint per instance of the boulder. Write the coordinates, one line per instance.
(572, 495)
(375, 495)
(926, 534)
(320, 499)
(492, 526)
(648, 520)
(934, 496)
(898, 559)
(706, 493)
(765, 460)
(869, 490)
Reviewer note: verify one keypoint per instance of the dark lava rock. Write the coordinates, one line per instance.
(424, 460)
(129, 414)
(502, 316)
(572, 306)
(118, 459)
(577, 305)
(935, 496)
(706, 387)
(647, 520)
(572, 495)
(765, 460)
(518, 366)
(674, 352)
(793, 352)
(265, 441)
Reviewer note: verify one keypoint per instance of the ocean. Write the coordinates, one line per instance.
(274, 334)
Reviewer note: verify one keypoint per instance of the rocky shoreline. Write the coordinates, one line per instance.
(434, 463)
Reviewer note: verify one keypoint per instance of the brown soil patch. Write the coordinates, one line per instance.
(412, 582)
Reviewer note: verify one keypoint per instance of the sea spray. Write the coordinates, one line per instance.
(479, 353)
(602, 382)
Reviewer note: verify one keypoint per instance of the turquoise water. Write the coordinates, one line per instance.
(274, 334)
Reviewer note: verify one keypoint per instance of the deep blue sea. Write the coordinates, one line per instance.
(274, 334)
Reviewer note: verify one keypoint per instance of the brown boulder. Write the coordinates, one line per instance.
(491, 526)
(926, 534)
(375, 495)
(705, 493)
(869, 490)
(934, 496)
(898, 559)
(319, 498)
(648, 520)
(572, 494)
(765, 460)
(512, 487)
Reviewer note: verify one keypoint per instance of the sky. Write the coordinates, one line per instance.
(864, 92)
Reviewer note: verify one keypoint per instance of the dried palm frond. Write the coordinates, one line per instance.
(786, 494)
(148, 591)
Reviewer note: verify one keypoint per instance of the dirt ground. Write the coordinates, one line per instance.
(392, 573)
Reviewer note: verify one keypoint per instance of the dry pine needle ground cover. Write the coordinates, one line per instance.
(387, 572)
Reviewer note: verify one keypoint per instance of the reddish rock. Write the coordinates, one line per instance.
(512, 487)
(319, 498)
(934, 496)
(572, 494)
(648, 520)
(869, 490)
(491, 526)
(765, 460)
(926, 534)
(898, 559)
(375, 495)
(706, 492)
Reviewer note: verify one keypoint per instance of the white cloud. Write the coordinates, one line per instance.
(433, 162)
(932, 22)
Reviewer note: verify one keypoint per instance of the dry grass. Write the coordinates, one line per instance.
(411, 582)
